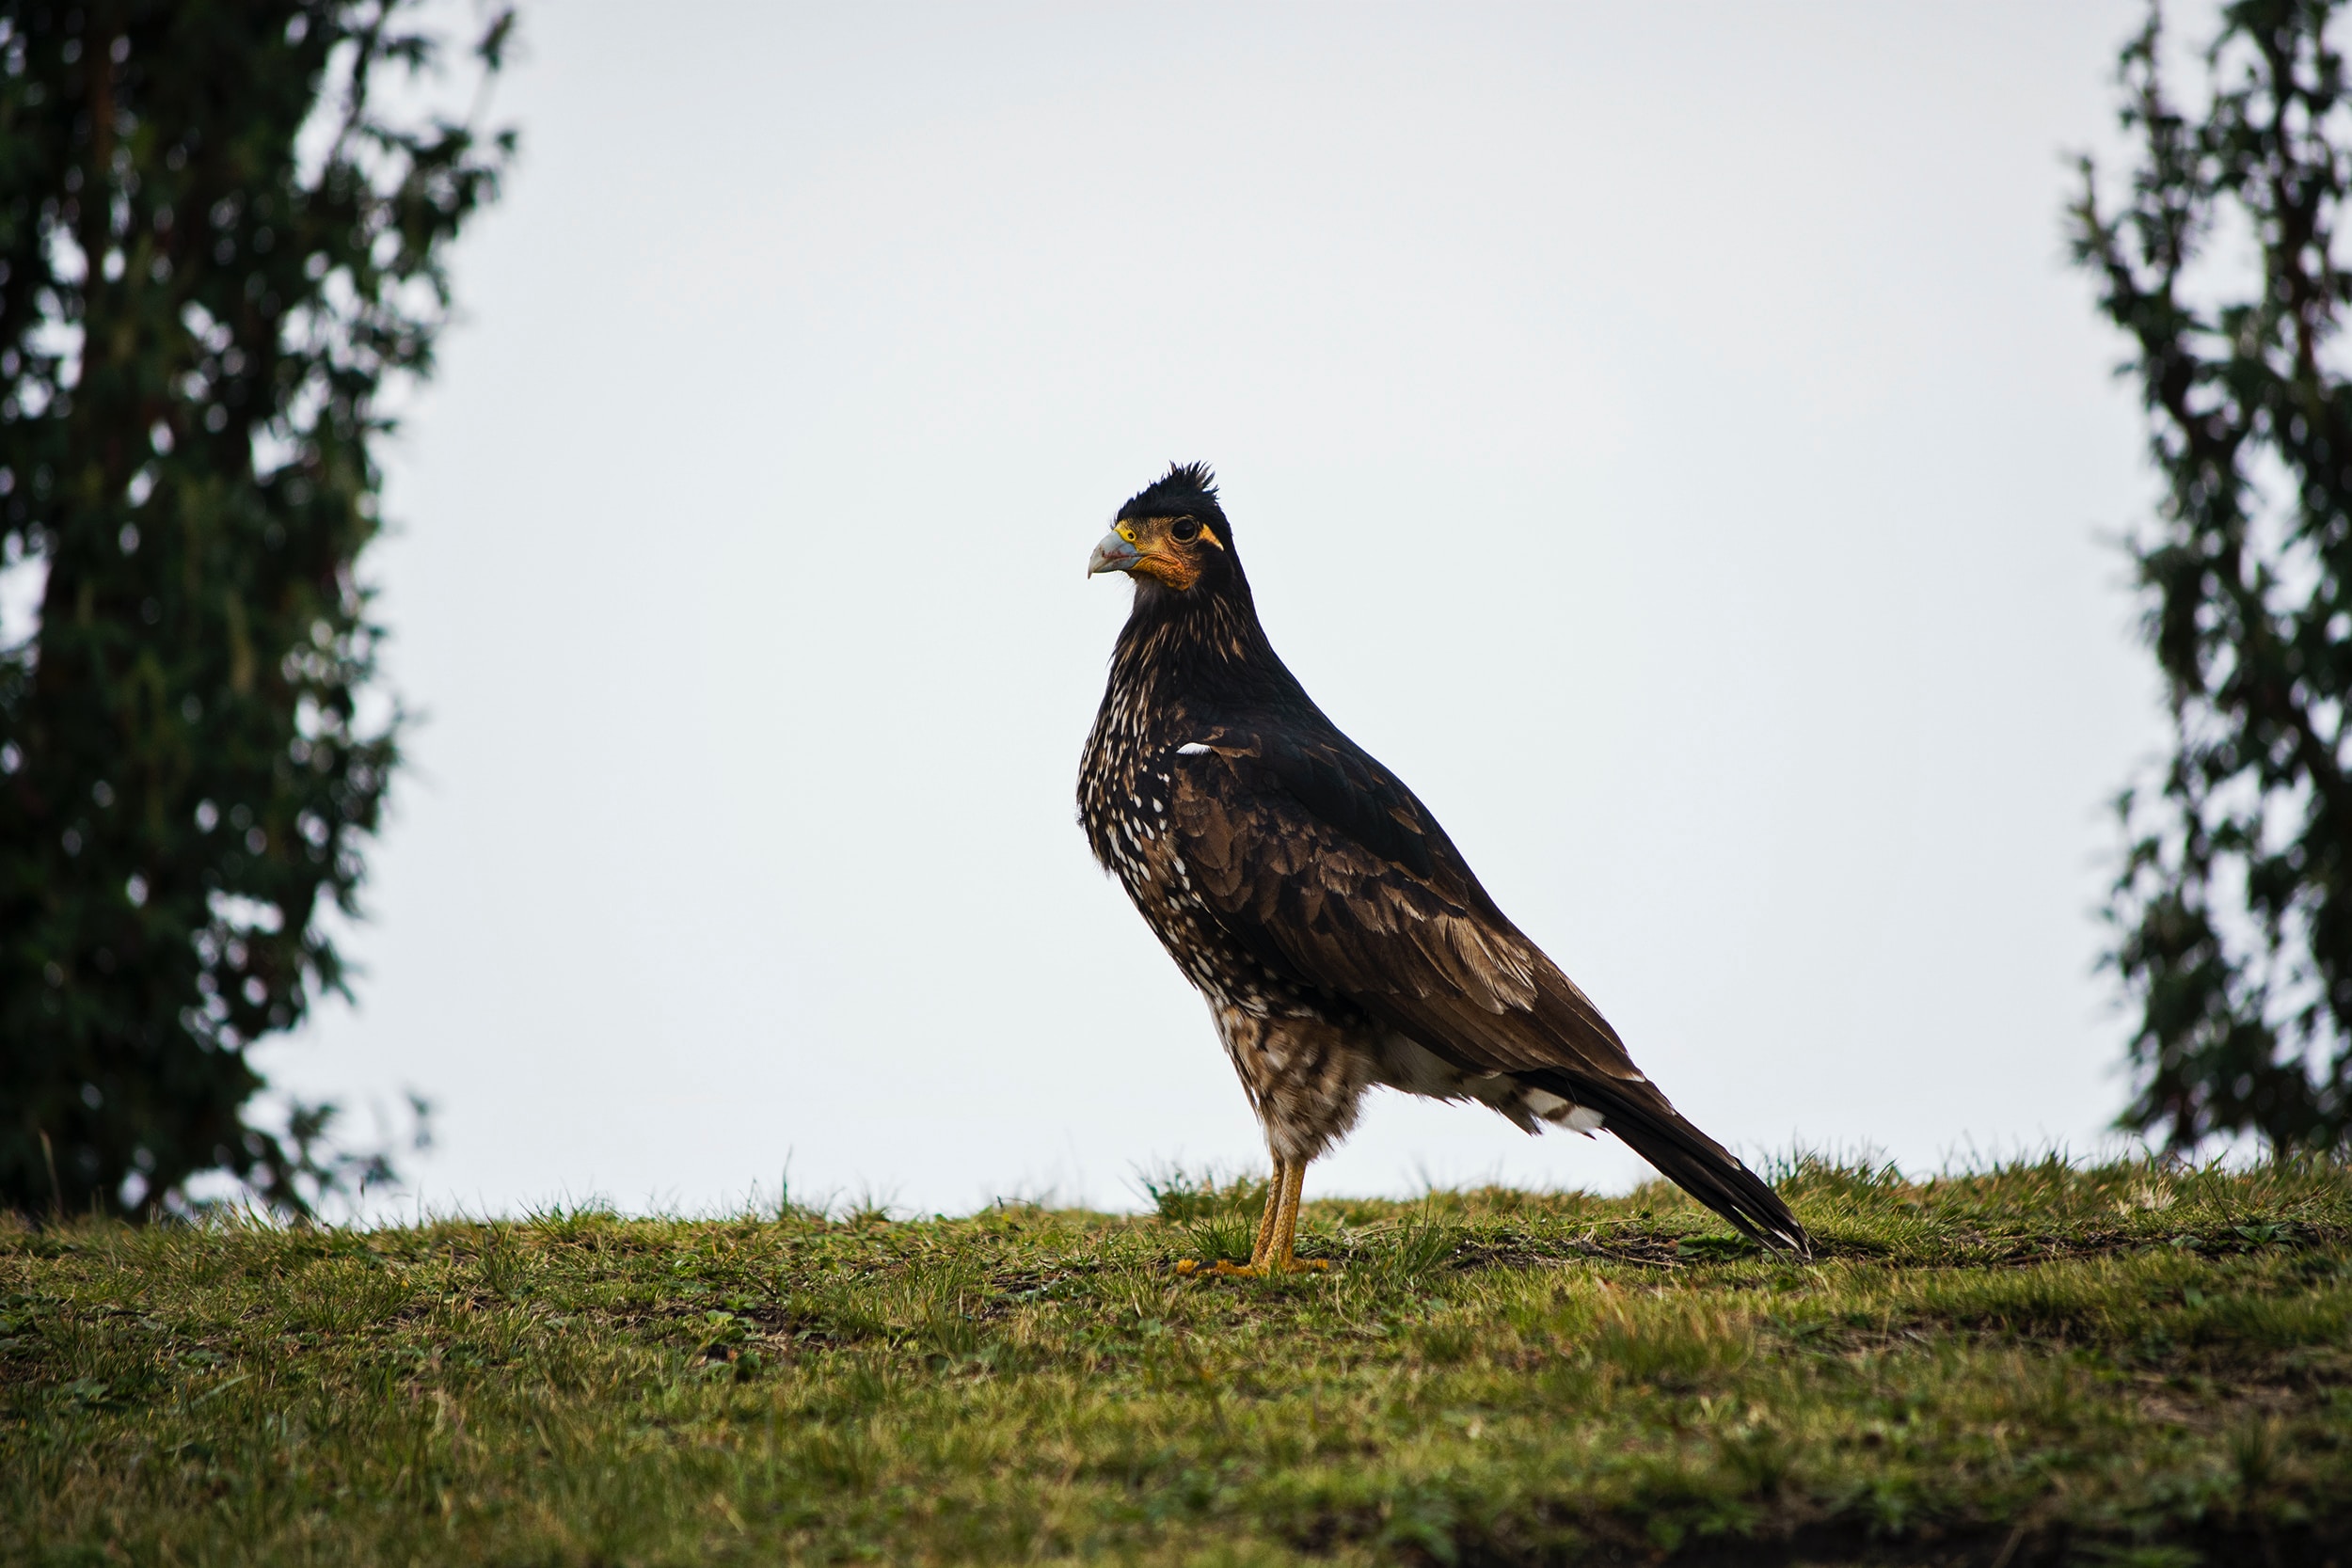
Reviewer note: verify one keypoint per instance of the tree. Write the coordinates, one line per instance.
(2233, 907)
(218, 248)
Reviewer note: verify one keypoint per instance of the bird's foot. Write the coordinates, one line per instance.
(1192, 1268)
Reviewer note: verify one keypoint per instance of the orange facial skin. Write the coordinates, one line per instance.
(1168, 549)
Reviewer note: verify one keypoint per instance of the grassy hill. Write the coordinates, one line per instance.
(2034, 1365)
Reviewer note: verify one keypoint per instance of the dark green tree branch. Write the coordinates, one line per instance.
(2233, 910)
(198, 323)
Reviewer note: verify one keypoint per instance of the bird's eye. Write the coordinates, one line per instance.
(1183, 531)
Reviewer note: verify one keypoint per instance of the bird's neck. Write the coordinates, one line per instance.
(1203, 649)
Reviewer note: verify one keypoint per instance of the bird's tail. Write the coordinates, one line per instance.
(1653, 1128)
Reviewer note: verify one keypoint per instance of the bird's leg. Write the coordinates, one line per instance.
(1283, 1257)
(1266, 1235)
(1277, 1231)
(1264, 1248)
(1273, 1204)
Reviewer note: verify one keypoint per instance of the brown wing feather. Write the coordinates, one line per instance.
(1430, 950)
(1323, 864)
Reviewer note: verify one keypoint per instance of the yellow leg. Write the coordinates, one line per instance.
(1266, 1235)
(1277, 1231)
(1286, 1258)
(1265, 1226)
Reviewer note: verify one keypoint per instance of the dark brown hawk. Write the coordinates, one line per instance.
(1338, 936)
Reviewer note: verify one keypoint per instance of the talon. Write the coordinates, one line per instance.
(1190, 1268)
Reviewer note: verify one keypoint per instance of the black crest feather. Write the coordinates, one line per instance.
(1187, 489)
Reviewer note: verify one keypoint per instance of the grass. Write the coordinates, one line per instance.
(2035, 1363)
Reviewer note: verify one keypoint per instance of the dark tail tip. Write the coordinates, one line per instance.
(1699, 1165)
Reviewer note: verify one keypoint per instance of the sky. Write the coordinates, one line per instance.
(1669, 436)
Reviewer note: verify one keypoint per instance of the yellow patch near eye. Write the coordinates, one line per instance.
(1210, 534)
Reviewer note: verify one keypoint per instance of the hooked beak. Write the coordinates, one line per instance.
(1113, 554)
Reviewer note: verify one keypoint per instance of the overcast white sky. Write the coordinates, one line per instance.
(1668, 436)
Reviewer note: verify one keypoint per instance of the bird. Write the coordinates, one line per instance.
(1341, 940)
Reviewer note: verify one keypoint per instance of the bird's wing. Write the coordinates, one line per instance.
(1319, 858)
(1321, 862)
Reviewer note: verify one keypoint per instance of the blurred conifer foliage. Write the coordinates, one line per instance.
(223, 229)
(2233, 910)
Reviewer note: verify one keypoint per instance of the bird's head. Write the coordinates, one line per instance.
(1172, 534)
